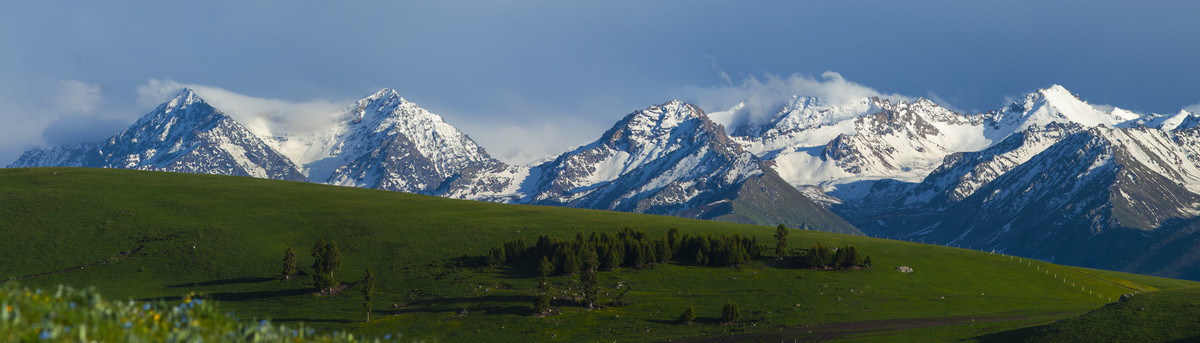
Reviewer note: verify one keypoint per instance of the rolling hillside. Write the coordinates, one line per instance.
(159, 236)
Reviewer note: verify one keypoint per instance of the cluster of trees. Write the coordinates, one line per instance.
(822, 257)
(819, 256)
(729, 314)
(327, 258)
(627, 248)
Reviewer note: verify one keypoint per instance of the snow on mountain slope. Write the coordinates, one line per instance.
(663, 156)
(1081, 194)
(385, 142)
(665, 159)
(844, 148)
(812, 142)
(71, 155)
(185, 134)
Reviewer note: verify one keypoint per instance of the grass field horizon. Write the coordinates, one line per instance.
(166, 235)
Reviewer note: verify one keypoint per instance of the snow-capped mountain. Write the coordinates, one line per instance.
(1098, 188)
(1048, 176)
(186, 135)
(666, 159)
(384, 142)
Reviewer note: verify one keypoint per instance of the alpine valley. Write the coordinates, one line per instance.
(1049, 176)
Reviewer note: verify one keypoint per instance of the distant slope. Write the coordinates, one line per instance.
(168, 234)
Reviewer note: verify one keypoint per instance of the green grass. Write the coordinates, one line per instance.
(56, 218)
(1159, 316)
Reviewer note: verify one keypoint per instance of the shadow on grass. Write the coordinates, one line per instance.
(241, 296)
(232, 281)
(698, 321)
(492, 304)
(314, 320)
(1015, 335)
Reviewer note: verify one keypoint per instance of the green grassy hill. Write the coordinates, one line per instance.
(159, 236)
(1159, 316)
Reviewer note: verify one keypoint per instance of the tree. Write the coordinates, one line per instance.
(849, 258)
(327, 258)
(542, 302)
(321, 280)
(867, 262)
(333, 258)
(368, 292)
(781, 233)
(289, 263)
(730, 313)
(688, 315)
(496, 257)
(673, 238)
(818, 256)
(588, 278)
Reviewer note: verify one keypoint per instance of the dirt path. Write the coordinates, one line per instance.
(116, 258)
(829, 331)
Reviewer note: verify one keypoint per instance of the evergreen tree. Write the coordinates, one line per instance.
(850, 258)
(368, 292)
(321, 278)
(496, 257)
(289, 263)
(867, 262)
(333, 258)
(662, 251)
(688, 315)
(542, 301)
(673, 238)
(781, 234)
(818, 256)
(730, 313)
(588, 278)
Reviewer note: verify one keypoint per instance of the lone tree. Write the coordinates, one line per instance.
(289, 263)
(588, 278)
(327, 258)
(333, 258)
(781, 233)
(730, 313)
(321, 280)
(688, 315)
(368, 292)
(542, 302)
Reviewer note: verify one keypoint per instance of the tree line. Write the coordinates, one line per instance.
(628, 248)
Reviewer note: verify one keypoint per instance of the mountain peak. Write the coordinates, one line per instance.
(385, 93)
(184, 98)
(660, 119)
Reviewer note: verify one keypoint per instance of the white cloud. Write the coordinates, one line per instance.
(764, 97)
(1193, 108)
(533, 141)
(513, 139)
(261, 115)
(74, 96)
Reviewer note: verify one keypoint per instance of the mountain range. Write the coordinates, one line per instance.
(1048, 176)
(666, 159)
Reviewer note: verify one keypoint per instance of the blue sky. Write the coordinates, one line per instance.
(529, 78)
